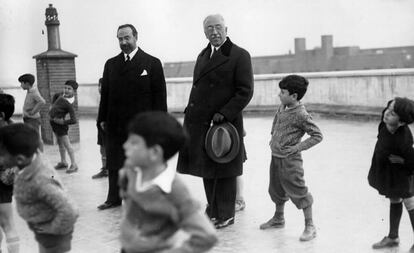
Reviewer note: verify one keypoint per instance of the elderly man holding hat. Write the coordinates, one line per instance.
(222, 88)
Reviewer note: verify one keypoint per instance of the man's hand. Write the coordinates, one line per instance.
(396, 159)
(218, 118)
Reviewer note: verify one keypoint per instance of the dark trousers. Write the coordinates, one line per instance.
(114, 161)
(221, 197)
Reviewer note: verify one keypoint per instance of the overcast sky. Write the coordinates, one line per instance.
(172, 29)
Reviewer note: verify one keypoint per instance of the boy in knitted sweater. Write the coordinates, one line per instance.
(290, 124)
(40, 198)
(159, 214)
(62, 105)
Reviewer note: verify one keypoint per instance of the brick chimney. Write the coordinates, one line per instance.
(54, 67)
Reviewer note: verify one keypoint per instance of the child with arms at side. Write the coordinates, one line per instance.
(157, 204)
(40, 198)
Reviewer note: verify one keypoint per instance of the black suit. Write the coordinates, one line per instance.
(128, 88)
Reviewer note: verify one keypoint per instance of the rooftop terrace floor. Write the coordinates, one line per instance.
(348, 214)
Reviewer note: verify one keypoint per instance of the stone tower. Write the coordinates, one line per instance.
(54, 67)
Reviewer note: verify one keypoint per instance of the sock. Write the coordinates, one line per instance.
(13, 245)
(395, 217)
(280, 211)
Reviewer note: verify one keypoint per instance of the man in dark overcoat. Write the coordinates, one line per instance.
(133, 82)
(222, 88)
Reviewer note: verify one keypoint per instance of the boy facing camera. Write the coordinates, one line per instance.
(157, 204)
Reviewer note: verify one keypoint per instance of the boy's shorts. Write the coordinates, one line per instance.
(6, 192)
(54, 243)
(58, 129)
(286, 181)
(33, 122)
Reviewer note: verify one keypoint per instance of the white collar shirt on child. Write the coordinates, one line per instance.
(163, 180)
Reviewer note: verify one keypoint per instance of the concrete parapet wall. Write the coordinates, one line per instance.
(343, 92)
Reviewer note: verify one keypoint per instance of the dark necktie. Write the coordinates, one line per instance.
(127, 58)
(214, 52)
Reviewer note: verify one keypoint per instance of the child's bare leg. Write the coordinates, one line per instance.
(68, 147)
(62, 150)
(409, 204)
(9, 228)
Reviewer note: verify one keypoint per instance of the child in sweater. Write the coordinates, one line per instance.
(6, 189)
(62, 104)
(33, 102)
(40, 198)
(157, 204)
(392, 165)
(290, 124)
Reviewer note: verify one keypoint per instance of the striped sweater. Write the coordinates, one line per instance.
(288, 128)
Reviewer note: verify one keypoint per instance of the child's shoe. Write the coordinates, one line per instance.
(386, 242)
(308, 234)
(61, 166)
(72, 169)
(240, 205)
(277, 221)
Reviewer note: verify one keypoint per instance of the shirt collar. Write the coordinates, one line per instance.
(163, 180)
(131, 55)
(217, 48)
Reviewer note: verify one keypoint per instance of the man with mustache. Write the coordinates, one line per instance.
(222, 88)
(132, 82)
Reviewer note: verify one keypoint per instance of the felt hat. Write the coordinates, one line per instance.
(222, 142)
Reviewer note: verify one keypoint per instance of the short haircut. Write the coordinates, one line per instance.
(72, 83)
(6, 105)
(159, 128)
(219, 16)
(134, 31)
(19, 139)
(294, 84)
(404, 108)
(27, 78)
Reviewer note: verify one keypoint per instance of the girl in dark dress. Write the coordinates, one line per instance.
(392, 166)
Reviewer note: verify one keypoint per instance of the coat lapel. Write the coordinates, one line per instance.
(135, 64)
(207, 65)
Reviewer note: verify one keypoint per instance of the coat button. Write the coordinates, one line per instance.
(211, 84)
(191, 104)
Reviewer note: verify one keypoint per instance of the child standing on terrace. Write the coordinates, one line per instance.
(392, 165)
(62, 105)
(290, 124)
(157, 204)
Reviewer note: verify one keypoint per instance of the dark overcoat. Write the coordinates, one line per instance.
(390, 179)
(222, 84)
(128, 89)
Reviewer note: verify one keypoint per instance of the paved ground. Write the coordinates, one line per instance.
(349, 215)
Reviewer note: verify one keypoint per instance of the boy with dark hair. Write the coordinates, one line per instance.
(32, 103)
(40, 198)
(62, 104)
(157, 203)
(6, 184)
(290, 124)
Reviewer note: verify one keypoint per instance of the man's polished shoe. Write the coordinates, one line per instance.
(224, 223)
(108, 205)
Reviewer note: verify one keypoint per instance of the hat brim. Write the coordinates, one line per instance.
(235, 145)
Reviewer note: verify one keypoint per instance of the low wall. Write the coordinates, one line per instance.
(340, 92)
